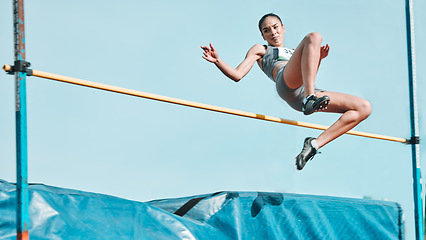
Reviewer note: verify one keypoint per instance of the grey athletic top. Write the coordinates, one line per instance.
(274, 56)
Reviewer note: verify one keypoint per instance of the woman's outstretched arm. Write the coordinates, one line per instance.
(254, 54)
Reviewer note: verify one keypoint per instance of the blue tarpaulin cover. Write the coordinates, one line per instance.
(57, 213)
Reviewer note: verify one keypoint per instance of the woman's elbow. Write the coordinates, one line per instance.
(235, 78)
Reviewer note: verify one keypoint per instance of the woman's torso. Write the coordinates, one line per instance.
(273, 58)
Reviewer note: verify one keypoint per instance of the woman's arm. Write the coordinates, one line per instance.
(254, 54)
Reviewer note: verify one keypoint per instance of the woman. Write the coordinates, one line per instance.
(294, 73)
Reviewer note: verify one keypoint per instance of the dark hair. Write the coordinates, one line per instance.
(265, 16)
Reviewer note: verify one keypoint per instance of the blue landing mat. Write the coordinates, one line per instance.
(57, 213)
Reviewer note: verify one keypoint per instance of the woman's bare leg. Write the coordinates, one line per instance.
(301, 70)
(302, 67)
(354, 109)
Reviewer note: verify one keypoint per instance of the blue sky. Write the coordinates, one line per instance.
(142, 150)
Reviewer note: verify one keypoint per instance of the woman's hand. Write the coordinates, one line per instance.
(210, 54)
(324, 51)
(236, 74)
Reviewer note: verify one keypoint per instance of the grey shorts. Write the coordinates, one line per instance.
(294, 97)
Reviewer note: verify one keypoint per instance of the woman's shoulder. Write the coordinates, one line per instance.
(258, 49)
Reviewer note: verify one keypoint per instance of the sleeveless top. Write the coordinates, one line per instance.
(274, 56)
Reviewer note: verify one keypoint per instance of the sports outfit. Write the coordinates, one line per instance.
(273, 57)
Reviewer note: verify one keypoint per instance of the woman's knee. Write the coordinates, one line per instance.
(314, 37)
(364, 109)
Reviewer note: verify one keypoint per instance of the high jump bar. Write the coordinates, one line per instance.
(156, 97)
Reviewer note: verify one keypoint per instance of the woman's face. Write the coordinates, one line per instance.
(273, 31)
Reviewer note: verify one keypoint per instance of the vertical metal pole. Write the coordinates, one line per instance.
(22, 217)
(417, 186)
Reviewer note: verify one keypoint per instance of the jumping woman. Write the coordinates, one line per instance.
(294, 72)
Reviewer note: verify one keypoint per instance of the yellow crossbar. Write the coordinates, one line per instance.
(195, 104)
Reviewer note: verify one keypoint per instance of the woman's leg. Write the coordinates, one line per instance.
(302, 69)
(303, 66)
(354, 110)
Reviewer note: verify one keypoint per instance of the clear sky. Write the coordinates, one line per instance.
(142, 150)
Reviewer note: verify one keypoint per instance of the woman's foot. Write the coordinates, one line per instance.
(308, 152)
(313, 104)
